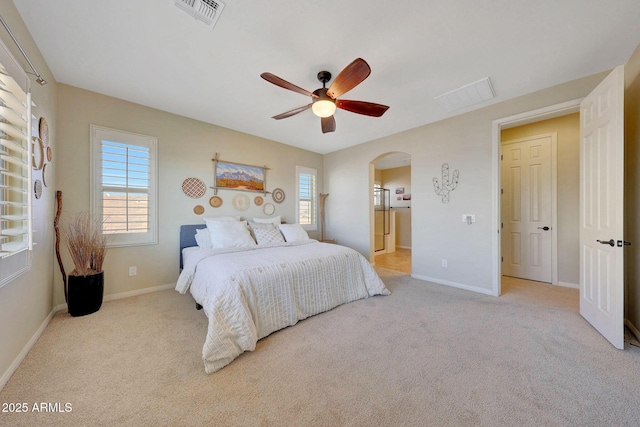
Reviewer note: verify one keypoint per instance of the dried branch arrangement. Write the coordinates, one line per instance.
(86, 243)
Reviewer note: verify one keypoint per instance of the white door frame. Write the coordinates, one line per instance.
(533, 116)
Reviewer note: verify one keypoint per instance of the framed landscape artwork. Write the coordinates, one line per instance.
(236, 176)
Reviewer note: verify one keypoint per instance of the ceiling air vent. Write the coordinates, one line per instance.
(207, 11)
(471, 94)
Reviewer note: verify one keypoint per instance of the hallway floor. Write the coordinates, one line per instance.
(400, 260)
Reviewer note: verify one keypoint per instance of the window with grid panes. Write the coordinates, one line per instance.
(306, 197)
(124, 188)
(16, 234)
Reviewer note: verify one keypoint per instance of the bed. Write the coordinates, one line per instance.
(250, 292)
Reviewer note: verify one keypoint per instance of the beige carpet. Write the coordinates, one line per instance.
(426, 355)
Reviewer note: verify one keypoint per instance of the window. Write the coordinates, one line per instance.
(377, 193)
(16, 234)
(124, 185)
(307, 197)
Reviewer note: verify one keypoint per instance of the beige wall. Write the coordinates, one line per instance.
(185, 149)
(632, 186)
(26, 302)
(465, 142)
(568, 130)
(392, 179)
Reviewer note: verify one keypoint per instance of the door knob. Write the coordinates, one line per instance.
(607, 242)
(545, 228)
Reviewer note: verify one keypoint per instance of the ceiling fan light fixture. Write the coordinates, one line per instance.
(323, 105)
(324, 102)
(323, 108)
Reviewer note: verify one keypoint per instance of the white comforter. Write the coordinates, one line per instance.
(249, 293)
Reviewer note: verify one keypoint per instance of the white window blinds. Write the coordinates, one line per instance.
(307, 197)
(124, 190)
(15, 170)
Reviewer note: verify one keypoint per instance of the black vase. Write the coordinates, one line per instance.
(84, 293)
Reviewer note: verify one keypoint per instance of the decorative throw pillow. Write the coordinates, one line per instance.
(267, 235)
(293, 232)
(262, 225)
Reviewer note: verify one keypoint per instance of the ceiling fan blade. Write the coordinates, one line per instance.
(285, 84)
(328, 124)
(292, 112)
(350, 77)
(361, 107)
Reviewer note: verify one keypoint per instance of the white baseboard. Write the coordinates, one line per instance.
(403, 247)
(139, 292)
(127, 294)
(453, 284)
(632, 328)
(18, 360)
(569, 285)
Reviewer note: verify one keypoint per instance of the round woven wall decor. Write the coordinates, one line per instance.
(258, 201)
(37, 161)
(241, 202)
(44, 130)
(278, 195)
(46, 175)
(193, 187)
(37, 188)
(269, 209)
(198, 210)
(215, 201)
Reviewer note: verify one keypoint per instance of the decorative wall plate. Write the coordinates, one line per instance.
(37, 161)
(269, 209)
(37, 188)
(258, 201)
(241, 202)
(44, 130)
(215, 201)
(278, 195)
(193, 187)
(198, 210)
(46, 175)
(49, 154)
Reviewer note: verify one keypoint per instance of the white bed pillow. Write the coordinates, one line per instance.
(276, 220)
(222, 218)
(293, 232)
(203, 238)
(229, 234)
(267, 235)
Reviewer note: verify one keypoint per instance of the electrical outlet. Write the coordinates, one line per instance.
(444, 263)
(133, 271)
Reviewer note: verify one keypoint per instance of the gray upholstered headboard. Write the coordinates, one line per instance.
(188, 237)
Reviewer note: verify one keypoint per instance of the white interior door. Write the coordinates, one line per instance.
(527, 208)
(601, 207)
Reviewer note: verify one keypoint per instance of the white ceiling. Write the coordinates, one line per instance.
(152, 53)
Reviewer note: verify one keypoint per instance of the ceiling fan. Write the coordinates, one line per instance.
(324, 101)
